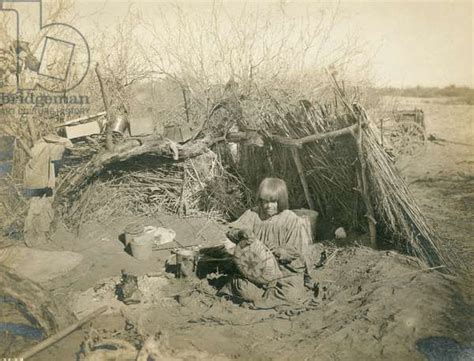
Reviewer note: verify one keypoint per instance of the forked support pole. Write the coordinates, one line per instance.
(304, 182)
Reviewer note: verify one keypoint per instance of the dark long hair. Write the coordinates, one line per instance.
(273, 190)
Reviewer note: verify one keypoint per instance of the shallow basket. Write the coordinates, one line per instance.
(257, 263)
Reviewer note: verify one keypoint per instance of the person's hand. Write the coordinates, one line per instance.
(246, 237)
(243, 235)
(233, 235)
(282, 255)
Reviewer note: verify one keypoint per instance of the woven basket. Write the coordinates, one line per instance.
(257, 263)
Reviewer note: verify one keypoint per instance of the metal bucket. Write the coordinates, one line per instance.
(120, 125)
(131, 231)
(310, 218)
(141, 246)
(139, 241)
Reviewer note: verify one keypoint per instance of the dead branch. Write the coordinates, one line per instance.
(166, 148)
(63, 333)
(315, 137)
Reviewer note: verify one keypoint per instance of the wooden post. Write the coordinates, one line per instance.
(304, 183)
(186, 107)
(109, 142)
(362, 175)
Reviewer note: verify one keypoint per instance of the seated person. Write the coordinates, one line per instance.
(282, 233)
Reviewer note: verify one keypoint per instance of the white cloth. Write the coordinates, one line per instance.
(39, 171)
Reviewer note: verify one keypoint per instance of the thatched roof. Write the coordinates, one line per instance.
(337, 169)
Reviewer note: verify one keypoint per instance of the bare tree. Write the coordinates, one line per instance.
(249, 43)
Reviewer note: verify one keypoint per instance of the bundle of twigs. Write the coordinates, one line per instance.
(139, 192)
(209, 188)
(148, 186)
(332, 166)
(396, 207)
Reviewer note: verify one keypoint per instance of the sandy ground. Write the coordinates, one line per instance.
(372, 305)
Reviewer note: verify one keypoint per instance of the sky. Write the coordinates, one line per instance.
(418, 43)
(408, 43)
(405, 42)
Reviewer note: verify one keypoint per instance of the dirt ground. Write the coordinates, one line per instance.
(371, 305)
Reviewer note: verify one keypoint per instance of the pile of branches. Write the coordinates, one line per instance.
(122, 192)
(150, 185)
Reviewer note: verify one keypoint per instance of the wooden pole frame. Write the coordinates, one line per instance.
(356, 130)
(304, 182)
(315, 137)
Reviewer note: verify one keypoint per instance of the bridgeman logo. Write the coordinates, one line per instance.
(56, 59)
(34, 98)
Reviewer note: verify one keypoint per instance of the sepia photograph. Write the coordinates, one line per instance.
(250, 180)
